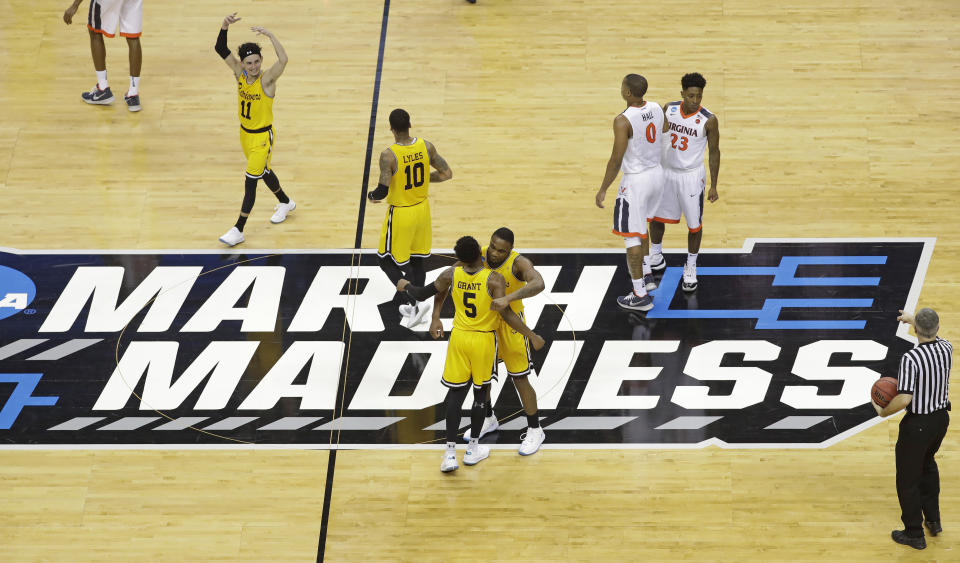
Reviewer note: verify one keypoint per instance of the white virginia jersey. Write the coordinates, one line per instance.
(687, 138)
(643, 148)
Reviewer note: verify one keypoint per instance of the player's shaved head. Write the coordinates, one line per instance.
(636, 84)
(400, 120)
(504, 234)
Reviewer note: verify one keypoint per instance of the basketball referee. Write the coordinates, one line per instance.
(923, 385)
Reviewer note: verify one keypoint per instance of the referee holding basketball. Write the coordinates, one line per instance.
(923, 385)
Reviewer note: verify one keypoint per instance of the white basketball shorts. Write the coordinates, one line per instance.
(637, 199)
(682, 194)
(106, 16)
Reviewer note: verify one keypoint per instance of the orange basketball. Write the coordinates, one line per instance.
(883, 390)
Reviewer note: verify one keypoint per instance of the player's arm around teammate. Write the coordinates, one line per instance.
(523, 270)
(441, 287)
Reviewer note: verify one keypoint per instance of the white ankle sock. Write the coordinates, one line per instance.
(656, 249)
(102, 79)
(134, 86)
(691, 259)
(639, 288)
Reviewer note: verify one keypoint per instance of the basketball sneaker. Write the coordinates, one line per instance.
(634, 302)
(657, 262)
(490, 424)
(449, 461)
(133, 102)
(475, 454)
(418, 312)
(233, 237)
(689, 277)
(98, 97)
(532, 441)
(649, 282)
(281, 210)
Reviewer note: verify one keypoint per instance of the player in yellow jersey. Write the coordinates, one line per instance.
(522, 281)
(407, 235)
(256, 89)
(472, 350)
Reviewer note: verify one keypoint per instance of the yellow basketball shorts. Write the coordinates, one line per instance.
(406, 232)
(258, 149)
(513, 349)
(471, 356)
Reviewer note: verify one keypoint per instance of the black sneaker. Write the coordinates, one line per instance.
(901, 537)
(649, 282)
(133, 102)
(634, 302)
(934, 527)
(98, 97)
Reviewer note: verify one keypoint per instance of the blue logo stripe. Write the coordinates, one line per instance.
(783, 275)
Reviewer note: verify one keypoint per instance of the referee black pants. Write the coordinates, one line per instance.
(918, 480)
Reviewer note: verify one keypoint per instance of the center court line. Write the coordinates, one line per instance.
(332, 461)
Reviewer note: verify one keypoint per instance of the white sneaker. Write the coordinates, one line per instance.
(233, 237)
(490, 424)
(281, 210)
(689, 277)
(532, 441)
(420, 311)
(449, 461)
(657, 262)
(476, 454)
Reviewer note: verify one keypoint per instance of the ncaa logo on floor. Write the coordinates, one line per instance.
(16, 291)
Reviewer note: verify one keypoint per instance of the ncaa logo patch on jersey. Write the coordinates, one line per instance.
(16, 291)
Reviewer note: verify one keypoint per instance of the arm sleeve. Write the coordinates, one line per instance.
(221, 46)
(907, 377)
(379, 193)
(422, 293)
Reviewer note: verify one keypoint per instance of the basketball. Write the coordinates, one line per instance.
(883, 390)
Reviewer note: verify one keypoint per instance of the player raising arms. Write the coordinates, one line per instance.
(256, 88)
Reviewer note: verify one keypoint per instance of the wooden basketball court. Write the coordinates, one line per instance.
(836, 120)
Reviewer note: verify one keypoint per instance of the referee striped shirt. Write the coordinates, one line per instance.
(925, 374)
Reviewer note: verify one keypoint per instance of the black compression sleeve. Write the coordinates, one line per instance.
(221, 47)
(421, 293)
(379, 193)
